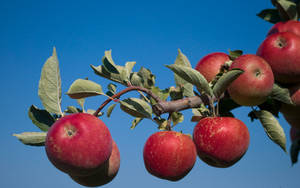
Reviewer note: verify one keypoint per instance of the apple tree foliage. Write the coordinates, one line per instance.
(192, 91)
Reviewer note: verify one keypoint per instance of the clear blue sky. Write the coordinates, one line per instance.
(148, 32)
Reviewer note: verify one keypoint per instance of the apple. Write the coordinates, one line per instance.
(221, 141)
(292, 26)
(78, 144)
(169, 155)
(294, 133)
(209, 66)
(255, 84)
(106, 174)
(281, 51)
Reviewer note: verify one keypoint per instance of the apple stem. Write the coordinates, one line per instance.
(169, 128)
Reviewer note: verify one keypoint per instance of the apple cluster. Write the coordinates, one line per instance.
(81, 145)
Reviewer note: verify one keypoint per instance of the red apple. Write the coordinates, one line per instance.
(294, 133)
(209, 66)
(78, 144)
(221, 141)
(291, 26)
(106, 174)
(169, 155)
(281, 51)
(255, 84)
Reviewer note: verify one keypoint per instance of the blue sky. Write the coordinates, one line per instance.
(148, 32)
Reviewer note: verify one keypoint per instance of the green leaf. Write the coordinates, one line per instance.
(294, 151)
(81, 103)
(41, 118)
(110, 109)
(225, 80)
(148, 78)
(81, 88)
(182, 60)
(199, 113)
(135, 122)
(136, 79)
(235, 54)
(111, 89)
(32, 138)
(136, 107)
(125, 74)
(162, 123)
(50, 85)
(72, 110)
(281, 94)
(272, 128)
(270, 15)
(177, 117)
(287, 9)
(162, 94)
(192, 76)
(108, 63)
(176, 93)
(101, 71)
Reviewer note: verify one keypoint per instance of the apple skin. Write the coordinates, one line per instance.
(78, 144)
(169, 155)
(255, 84)
(281, 51)
(106, 174)
(221, 141)
(291, 26)
(209, 66)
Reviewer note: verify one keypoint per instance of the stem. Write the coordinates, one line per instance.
(118, 95)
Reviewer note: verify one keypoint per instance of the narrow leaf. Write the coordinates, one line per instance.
(101, 71)
(192, 76)
(110, 109)
(50, 85)
(182, 60)
(32, 138)
(294, 151)
(108, 63)
(281, 94)
(81, 88)
(136, 107)
(135, 122)
(41, 118)
(272, 128)
(225, 80)
(270, 15)
(235, 54)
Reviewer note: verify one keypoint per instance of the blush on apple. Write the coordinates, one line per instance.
(169, 155)
(209, 66)
(281, 51)
(291, 26)
(221, 141)
(106, 174)
(78, 144)
(255, 84)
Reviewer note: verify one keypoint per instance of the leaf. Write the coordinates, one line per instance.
(108, 63)
(32, 138)
(272, 128)
(101, 71)
(125, 74)
(294, 151)
(270, 15)
(135, 79)
(225, 80)
(182, 60)
(281, 94)
(50, 85)
(177, 117)
(192, 76)
(162, 94)
(81, 103)
(72, 110)
(176, 93)
(41, 118)
(111, 89)
(287, 9)
(199, 113)
(110, 109)
(136, 107)
(135, 122)
(162, 123)
(81, 88)
(235, 54)
(148, 78)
